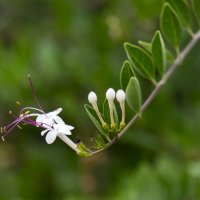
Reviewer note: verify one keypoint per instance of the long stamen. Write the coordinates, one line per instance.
(14, 122)
(31, 108)
(23, 118)
(11, 128)
(33, 92)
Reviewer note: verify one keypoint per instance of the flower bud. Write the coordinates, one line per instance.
(92, 97)
(110, 94)
(120, 96)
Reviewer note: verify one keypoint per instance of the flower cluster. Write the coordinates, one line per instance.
(110, 96)
(52, 124)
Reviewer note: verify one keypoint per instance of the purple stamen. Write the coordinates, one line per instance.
(27, 120)
(11, 128)
(25, 117)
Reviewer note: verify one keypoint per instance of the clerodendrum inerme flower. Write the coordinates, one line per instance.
(58, 129)
(50, 118)
(52, 124)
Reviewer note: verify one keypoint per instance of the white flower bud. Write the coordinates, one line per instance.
(110, 94)
(92, 97)
(120, 96)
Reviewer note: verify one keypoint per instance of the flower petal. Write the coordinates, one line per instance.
(43, 132)
(54, 113)
(66, 132)
(69, 127)
(41, 118)
(48, 122)
(51, 136)
(57, 111)
(62, 128)
(58, 120)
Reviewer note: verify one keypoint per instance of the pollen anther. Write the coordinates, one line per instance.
(19, 126)
(27, 112)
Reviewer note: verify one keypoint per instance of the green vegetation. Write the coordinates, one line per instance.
(72, 48)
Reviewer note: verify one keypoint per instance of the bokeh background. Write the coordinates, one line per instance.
(71, 48)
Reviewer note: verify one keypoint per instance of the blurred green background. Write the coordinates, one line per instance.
(71, 48)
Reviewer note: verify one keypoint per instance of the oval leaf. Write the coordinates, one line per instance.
(140, 60)
(196, 8)
(125, 74)
(170, 25)
(170, 57)
(145, 45)
(182, 9)
(159, 53)
(94, 118)
(133, 95)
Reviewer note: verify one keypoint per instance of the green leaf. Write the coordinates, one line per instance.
(159, 52)
(125, 74)
(94, 118)
(196, 8)
(170, 57)
(145, 45)
(106, 113)
(182, 9)
(133, 95)
(140, 60)
(171, 26)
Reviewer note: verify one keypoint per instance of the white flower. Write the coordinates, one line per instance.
(47, 120)
(120, 96)
(92, 97)
(58, 129)
(52, 124)
(110, 94)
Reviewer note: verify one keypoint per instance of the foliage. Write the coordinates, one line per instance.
(70, 49)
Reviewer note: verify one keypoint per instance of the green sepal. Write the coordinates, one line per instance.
(82, 150)
(125, 74)
(97, 142)
(133, 95)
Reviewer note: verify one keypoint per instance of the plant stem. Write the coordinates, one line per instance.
(181, 56)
